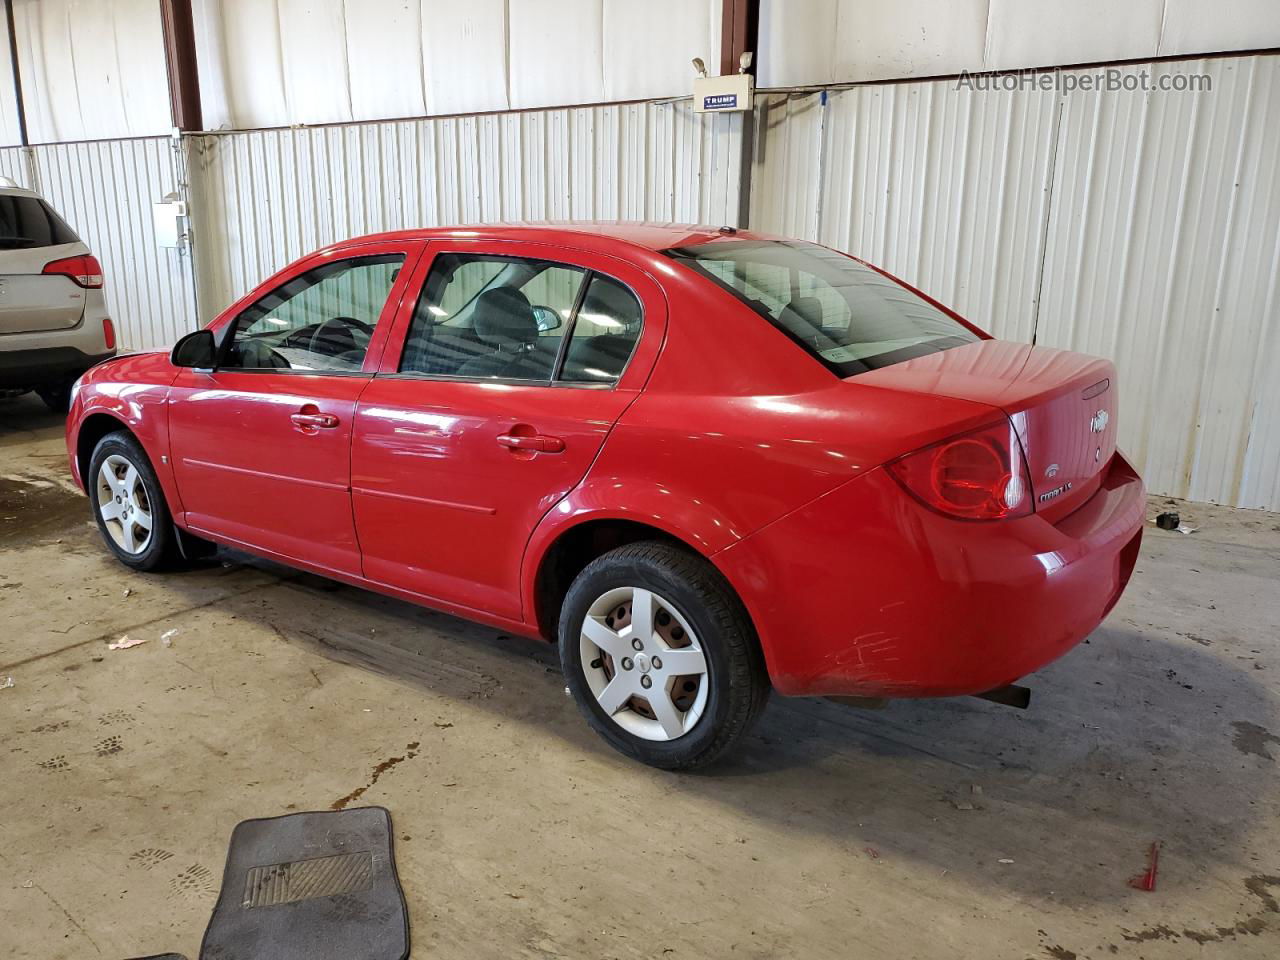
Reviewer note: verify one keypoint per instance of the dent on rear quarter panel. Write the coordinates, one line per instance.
(134, 390)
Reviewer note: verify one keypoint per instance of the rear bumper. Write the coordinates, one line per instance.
(26, 369)
(865, 592)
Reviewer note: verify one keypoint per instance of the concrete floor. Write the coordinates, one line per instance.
(831, 832)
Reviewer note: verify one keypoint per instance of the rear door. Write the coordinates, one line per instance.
(261, 445)
(31, 236)
(489, 408)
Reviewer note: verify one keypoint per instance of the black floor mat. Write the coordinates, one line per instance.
(310, 886)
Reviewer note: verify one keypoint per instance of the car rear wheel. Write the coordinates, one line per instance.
(660, 655)
(128, 503)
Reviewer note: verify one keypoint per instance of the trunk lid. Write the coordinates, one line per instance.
(1062, 404)
(33, 302)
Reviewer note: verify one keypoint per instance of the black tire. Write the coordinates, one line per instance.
(161, 549)
(738, 682)
(57, 397)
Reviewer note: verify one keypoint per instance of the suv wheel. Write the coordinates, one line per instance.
(128, 503)
(660, 655)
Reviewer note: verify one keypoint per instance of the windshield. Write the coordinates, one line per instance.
(848, 316)
(30, 222)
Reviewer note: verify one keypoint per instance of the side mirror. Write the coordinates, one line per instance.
(195, 350)
(547, 319)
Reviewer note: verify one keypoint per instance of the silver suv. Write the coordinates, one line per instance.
(53, 317)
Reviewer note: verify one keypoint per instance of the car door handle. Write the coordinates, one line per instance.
(321, 421)
(537, 442)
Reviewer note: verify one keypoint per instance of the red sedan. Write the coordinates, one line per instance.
(708, 463)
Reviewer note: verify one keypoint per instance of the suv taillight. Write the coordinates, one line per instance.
(980, 475)
(83, 270)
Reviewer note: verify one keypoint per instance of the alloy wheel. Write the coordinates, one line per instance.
(644, 664)
(124, 505)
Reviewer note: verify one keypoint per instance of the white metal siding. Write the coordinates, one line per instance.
(1142, 227)
(104, 190)
(265, 198)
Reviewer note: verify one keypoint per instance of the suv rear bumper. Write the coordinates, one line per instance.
(27, 369)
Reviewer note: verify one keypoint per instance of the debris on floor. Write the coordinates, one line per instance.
(1147, 879)
(125, 642)
(6, 683)
(1004, 860)
(1172, 521)
(966, 799)
(167, 637)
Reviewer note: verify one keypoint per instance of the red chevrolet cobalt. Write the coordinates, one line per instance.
(708, 463)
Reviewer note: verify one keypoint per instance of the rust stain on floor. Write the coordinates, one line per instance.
(410, 751)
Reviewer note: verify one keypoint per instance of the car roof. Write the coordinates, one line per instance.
(594, 233)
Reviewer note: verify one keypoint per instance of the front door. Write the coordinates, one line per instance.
(261, 445)
(489, 408)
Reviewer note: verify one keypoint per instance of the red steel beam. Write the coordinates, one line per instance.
(180, 61)
(739, 30)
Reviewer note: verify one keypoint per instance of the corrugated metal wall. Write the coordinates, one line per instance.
(1140, 226)
(265, 198)
(104, 189)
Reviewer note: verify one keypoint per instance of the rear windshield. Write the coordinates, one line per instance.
(30, 222)
(848, 316)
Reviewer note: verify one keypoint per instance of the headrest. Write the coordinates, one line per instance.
(503, 316)
(808, 309)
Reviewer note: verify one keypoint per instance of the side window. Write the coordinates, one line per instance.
(605, 332)
(489, 317)
(321, 320)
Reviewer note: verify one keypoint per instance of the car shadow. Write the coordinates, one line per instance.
(1138, 735)
(1132, 738)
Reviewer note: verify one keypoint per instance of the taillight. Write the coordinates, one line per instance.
(981, 475)
(83, 270)
(108, 333)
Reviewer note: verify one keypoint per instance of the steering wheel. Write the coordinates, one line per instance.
(336, 336)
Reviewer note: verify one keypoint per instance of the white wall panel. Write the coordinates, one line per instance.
(265, 198)
(384, 59)
(271, 63)
(818, 42)
(104, 190)
(1042, 33)
(1163, 246)
(91, 70)
(556, 52)
(807, 42)
(313, 59)
(1141, 227)
(1195, 26)
(465, 55)
(649, 47)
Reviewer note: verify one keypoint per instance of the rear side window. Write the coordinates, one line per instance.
(846, 315)
(483, 316)
(30, 222)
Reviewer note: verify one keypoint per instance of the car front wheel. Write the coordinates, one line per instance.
(128, 503)
(660, 655)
